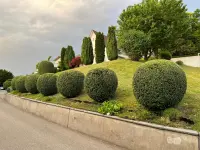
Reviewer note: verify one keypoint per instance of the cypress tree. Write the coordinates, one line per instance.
(99, 48)
(69, 55)
(87, 51)
(62, 63)
(111, 46)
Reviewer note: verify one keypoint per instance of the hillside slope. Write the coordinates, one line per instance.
(189, 108)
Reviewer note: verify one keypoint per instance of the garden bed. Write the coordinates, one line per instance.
(189, 108)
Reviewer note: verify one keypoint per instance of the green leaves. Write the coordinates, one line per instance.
(70, 83)
(135, 43)
(99, 48)
(5, 75)
(111, 46)
(164, 21)
(87, 51)
(110, 108)
(101, 84)
(69, 55)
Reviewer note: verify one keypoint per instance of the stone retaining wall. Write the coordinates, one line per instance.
(122, 132)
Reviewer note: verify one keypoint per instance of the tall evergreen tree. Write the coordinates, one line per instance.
(111, 46)
(87, 51)
(62, 63)
(99, 47)
(69, 55)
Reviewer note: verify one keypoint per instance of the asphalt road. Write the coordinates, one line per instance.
(23, 131)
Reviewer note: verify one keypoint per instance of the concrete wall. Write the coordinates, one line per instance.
(193, 61)
(125, 133)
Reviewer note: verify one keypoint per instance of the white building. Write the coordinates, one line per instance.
(56, 61)
(93, 39)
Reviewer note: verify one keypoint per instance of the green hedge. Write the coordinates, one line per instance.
(99, 48)
(111, 46)
(20, 84)
(87, 56)
(46, 67)
(159, 84)
(7, 84)
(180, 63)
(31, 83)
(165, 55)
(46, 84)
(70, 83)
(13, 82)
(101, 84)
(9, 89)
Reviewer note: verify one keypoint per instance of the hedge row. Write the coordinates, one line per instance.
(157, 84)
(100, 84)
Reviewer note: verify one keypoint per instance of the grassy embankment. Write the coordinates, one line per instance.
(189, 107)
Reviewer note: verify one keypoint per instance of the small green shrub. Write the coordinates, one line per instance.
(165, 55)
(13, 82)
(9, 89)
(152, 58)
(110, 108)
(179, 62)
(101, 84)
(70, 83)
(172, 113)
(159, 84)
(46, 67)
(31, 83)
(46, 84)
(7, 84)
(20, 84)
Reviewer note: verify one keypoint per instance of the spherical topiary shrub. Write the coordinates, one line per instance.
(165, 55)
(46, 67)
(101, 84)
(70, 83)
(159, 84)
(31, 83)
(13, 82)
(46, 84)
(7, 84)
(9, 89)
(179, 62)
(20, 84)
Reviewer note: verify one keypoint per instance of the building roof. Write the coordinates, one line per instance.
(56, 58)
(105, 37)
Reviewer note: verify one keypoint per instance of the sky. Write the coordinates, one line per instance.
(30, 31)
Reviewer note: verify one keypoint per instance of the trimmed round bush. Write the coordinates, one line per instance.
(159, 84)
(13, 82)
(70, 83)
(46, 67)
(165, 55)
(20, 84)
(179, 62)
(9, 89)
(46, 84)
(101, 84)
(7, 84)
(31, 83)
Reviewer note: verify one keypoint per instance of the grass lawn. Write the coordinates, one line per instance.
(189, 108)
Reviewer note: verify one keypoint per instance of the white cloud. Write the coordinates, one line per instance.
(31, 30)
